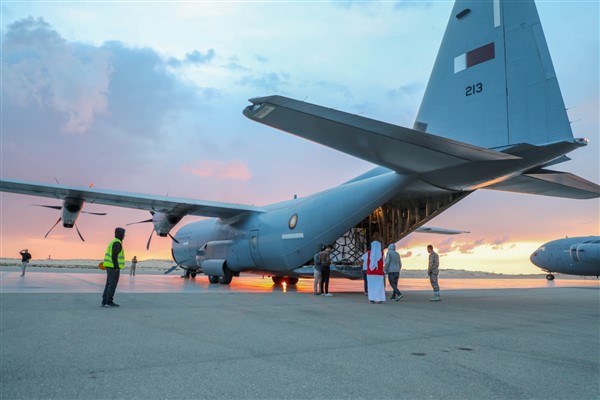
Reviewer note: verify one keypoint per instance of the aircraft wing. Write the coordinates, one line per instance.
(170, 205)
(550, 183)
(401, 149)
(440, 231)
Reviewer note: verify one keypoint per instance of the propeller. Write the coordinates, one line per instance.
(65, 212)
(56, 223)
(157, 219)
(93, 213)
(43, 205)
(173, 268)
(143, 222)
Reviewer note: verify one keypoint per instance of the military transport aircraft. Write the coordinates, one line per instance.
(570, 256)
(492, 117)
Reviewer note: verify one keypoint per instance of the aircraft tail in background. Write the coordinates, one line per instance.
(493, 84)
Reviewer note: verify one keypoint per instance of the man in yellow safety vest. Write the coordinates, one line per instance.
(114, 261)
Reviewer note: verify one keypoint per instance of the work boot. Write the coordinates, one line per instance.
(436, 297)
(111, 304)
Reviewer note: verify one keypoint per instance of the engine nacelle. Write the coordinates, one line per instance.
(235, 254)
(70, 211)
(213, 267)
(163, 223)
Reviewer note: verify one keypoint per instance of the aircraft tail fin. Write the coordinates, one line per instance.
(493, 84)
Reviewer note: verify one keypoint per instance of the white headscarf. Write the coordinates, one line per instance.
(375, 255)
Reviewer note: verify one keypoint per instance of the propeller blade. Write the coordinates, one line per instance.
(43, 205)
(173, 268)
(79, 233)
(149, 239)
(93, 213)
(173, 238)
(56, 223)
(139, 222)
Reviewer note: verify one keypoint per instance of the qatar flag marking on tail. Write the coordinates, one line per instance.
(474, 57)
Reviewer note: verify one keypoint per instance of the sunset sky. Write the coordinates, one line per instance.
(147, 97)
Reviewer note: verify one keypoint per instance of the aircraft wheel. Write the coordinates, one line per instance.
(550, 277)
(213, 279)
(277, 280)
(193, 274)
(292, 281)
(227, 277)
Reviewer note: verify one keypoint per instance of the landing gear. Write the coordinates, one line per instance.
(225, 279)
(550, 277)
(227, 276)
(189, 274)
(278, 280)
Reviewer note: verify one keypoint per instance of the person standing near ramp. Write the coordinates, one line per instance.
(375, 275)
(433, 270)
(325, 261)
(317, 273)
(114, 261)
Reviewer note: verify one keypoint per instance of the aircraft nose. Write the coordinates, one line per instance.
(533, 258)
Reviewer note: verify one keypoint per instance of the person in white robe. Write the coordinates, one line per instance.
(375, 274)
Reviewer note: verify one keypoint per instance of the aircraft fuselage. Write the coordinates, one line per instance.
(570, 256)
(288, 234)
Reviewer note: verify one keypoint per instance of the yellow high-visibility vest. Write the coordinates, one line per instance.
(108, 256)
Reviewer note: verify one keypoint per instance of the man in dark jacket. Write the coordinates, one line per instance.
(114, 261)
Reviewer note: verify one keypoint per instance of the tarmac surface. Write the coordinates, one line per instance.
(178, 339)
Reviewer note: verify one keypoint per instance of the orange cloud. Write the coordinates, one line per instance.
(234, 170)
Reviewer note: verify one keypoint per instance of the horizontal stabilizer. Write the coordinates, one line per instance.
(401, 149)
(550, 183)
(168, 205)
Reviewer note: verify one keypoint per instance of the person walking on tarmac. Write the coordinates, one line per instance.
(114, 261)
(392, 266)
(25, 257)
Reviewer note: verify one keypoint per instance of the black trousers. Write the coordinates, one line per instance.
(112, 279)
(325, 272)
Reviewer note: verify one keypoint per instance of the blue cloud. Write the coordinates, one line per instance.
(125, 105)
(271, 82)
(195, 57)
